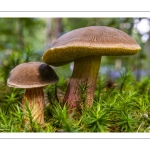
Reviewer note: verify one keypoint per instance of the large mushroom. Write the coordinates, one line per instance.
(85, 46)
(32, 76)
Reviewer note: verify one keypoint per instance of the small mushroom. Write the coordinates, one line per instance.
(85, 46)
(32, 76)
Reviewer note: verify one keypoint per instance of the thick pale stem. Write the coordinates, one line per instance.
(33, 101)
(83, 81)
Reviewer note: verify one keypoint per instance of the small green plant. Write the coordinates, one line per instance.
(95, 119)
(61, 118)
(126, 77)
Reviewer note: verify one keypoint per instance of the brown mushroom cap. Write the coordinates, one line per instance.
(31, 75)
(88, 41)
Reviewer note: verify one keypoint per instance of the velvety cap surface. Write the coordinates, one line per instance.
(31, 74)
(88, 41)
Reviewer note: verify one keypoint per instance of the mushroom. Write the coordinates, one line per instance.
(32, 76)
(85, 46)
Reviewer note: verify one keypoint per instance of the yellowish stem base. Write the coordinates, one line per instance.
(33, 105)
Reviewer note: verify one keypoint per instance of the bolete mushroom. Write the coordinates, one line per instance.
(85, 46)
(32, 76)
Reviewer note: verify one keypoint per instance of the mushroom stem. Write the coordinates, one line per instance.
(33, 100)
(82, 83)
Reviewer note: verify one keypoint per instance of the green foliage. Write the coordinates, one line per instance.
(18, 32)
(13, 58)
(112, 111)
(95, 118)
(121, 108)
(120, 23)
(126, 77)
(61, 118)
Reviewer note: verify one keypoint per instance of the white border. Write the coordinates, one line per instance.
(72, 14)
(74, 5)
(78, 8)
(75, 141)
(74, 136)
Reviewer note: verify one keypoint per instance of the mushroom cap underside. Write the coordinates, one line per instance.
(89, 41)
(31, 75)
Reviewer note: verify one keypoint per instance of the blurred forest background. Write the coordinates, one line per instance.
(33, 36)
